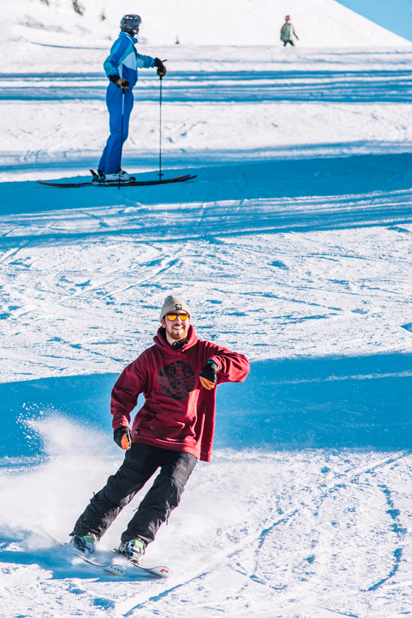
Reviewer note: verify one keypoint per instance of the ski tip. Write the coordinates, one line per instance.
(161, 571)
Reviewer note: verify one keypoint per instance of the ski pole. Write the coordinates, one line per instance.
(160, 129)
(121, 134)
(160, 125)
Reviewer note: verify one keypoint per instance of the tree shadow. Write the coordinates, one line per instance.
(81, 398)
(351, 402)
(333, 403)
(364, 187)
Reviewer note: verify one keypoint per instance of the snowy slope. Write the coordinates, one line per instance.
(292, 246)
(319, 23)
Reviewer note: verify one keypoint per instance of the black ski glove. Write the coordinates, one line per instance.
(123, 438)
(122, 83)
(119, 81)
(208, 375)
(161, 69)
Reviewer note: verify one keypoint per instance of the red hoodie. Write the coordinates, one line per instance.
(178, 414)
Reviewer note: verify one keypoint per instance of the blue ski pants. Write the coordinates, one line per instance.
(119, 105)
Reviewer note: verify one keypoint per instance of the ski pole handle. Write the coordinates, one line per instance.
(161, 69)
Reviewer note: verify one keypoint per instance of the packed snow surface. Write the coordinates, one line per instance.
(292, 245)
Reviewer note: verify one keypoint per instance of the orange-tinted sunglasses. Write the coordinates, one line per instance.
(172, 316)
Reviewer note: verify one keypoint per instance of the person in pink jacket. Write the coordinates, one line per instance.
(173, 429)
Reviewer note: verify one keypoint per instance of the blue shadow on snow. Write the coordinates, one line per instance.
(333, 403)
(337, 86)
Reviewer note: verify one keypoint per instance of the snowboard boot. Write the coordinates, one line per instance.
(133, 550)
(85, 544)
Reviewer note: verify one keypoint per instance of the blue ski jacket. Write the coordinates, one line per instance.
(124, 60)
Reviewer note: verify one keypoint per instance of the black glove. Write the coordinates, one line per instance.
(161, 69)
(123, 438)
(208, 375)
(122, 83)
(119, 81)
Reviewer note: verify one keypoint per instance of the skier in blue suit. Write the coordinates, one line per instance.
(121, 68)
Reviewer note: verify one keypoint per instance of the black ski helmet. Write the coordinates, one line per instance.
(130, 23)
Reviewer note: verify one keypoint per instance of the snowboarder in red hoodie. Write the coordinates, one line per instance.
(171, 431)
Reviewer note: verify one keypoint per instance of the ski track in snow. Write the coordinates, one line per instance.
(288, 248)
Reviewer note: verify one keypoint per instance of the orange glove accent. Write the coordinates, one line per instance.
(123, 438)
(207, 376)
(125, 442)
(207, 384)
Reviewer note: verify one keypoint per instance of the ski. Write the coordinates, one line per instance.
(160, 572)
(133, 183)
(157, 572)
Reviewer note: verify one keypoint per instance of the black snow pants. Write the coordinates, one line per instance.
(140, 463)
(288, 41)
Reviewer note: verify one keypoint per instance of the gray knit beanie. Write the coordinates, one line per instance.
(173, 303)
